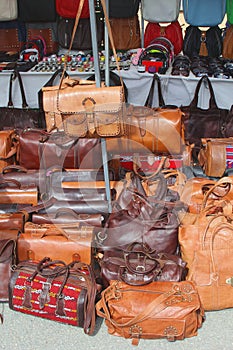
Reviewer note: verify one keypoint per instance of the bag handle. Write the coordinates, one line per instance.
(9, 182)
(223, 181)
(150, 97)
(12, 168)
(212, 101)
(15, 75)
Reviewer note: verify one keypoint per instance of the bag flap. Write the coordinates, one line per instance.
(6, 249)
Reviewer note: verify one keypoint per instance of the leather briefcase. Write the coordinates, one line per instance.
(65, 242)
(11, 191)
(170, 310)
(56, 291)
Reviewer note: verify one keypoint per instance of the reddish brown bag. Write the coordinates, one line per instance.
(126, 33)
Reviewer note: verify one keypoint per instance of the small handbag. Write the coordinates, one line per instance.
(160, 11)
(139, 266)
(20, 118)
(170, 310)
(57, 291)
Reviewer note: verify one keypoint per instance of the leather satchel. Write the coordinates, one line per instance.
(215, 156)
(11, 192)
(170, 310)
(67, 242)
(41, 150)
(139, 266)
(211, 268)
(56, 291)
(20, 118)
(8, 240)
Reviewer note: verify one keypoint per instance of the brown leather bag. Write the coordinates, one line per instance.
(170, 310)
(201, 192)
(212, 266)
(126, 32)
(8, 240)
(137, 266)
(67, 242)
(13, 221)
(215, 156)
(6, 146)
(159, 130)
(41, 150)
(11, 191)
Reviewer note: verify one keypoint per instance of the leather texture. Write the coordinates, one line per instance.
(11, 192)
(74, 286)
(13, 221)
(5, 147)
(156, 315)
(67, 242)
(41, 150)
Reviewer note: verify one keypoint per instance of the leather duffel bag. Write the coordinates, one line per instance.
(170, 310)
(39, 149)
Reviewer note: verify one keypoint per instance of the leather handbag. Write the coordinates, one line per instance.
(8, 240)
(208, 42)
(215, 156)
(170, 310)
(203, 122)
(7, 148)
(126, 32)
(204, 13)
(39, 149)
(13, 221)
(87, 110)
(20, 118)
(66, 293)
(65, 242)
(211, 267)
(11, 192)
(147, 128)
(8, 10)
(139, 266)
(68, 216)
(160, 11)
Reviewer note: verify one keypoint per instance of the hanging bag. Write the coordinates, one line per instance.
(8, 10)
(204, 13)
(37, 11)
(160, 10)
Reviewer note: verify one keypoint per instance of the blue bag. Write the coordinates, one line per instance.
(204, 13)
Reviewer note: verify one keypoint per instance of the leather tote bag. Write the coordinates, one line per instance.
(8, 10)
(20, 118)
(160, 11)
(151, 311)
(203, 122)
(204, 13)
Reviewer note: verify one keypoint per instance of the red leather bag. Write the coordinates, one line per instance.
(69, 8)
(172, 32)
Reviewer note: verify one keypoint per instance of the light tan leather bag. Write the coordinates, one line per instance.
(65, 242)
(170, 310)
(6, 156)
(212, 267)
(213, 156)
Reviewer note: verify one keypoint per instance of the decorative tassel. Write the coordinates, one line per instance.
(203, 49)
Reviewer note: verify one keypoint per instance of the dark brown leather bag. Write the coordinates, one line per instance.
(41, 150)
(138, 266)
(170, 310)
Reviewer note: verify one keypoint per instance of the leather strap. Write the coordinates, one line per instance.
(150, 97)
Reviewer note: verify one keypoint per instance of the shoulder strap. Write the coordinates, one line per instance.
(150, 97)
